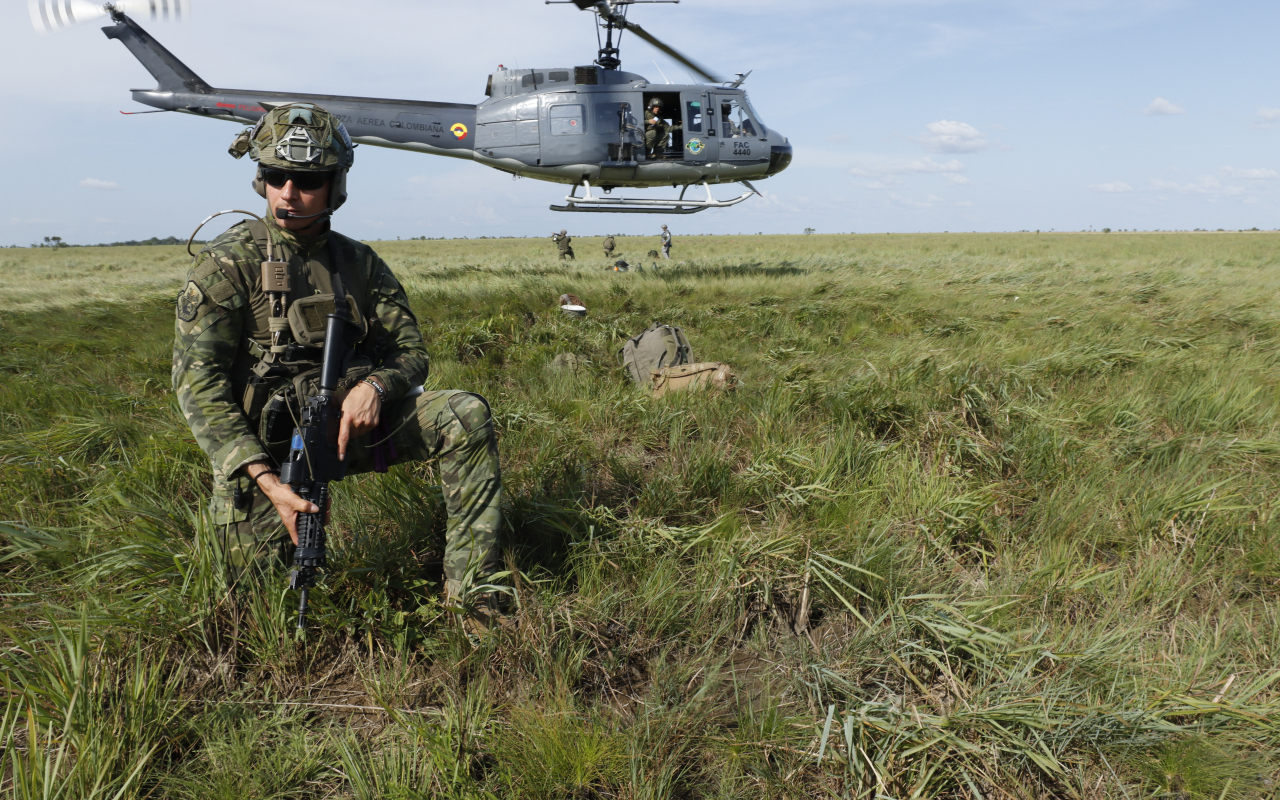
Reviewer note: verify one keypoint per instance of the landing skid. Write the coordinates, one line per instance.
(635, 205)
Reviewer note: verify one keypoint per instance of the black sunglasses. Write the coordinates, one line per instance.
(305, 181)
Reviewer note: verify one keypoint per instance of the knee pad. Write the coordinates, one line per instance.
(472, 410)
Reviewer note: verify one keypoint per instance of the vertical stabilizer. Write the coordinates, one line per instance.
(170, 73)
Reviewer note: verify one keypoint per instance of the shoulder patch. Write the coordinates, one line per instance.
(189, 302)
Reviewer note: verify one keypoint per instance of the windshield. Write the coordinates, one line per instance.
(751, 111)
(737, 120)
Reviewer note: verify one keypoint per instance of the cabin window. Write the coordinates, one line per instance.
(607, 117)
(568, 120)
(533, 79)
(561, 76)
(735, 120)
(693, 117)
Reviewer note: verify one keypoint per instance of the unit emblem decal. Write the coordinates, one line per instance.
(189, 302)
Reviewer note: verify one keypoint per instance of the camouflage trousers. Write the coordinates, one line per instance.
(567, 251)
(454, 427)
(655, 142)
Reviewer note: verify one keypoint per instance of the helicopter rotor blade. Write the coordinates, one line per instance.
(51, 16)
(697, 68)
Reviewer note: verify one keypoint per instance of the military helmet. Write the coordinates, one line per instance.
(563, 232)
(656, 103)
(299, 137)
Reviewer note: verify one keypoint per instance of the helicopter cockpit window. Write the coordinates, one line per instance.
(752, 115)
(568, 120)
(558, 77)
(735, 120)
(693, 117)
(533, 79)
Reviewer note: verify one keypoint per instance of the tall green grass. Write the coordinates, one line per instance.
(989, 516)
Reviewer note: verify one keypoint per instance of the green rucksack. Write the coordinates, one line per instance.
(657, 347)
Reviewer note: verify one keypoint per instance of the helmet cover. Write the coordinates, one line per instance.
(299, 137)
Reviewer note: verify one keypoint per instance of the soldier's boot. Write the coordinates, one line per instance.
(477, 614)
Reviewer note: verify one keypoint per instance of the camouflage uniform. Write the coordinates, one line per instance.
(562, 240)
(656, 131)
(608, 247)
(222, 330)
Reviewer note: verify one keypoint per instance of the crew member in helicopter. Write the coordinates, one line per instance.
(656, 130)
(730, 127)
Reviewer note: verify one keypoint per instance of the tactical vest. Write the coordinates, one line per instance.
(273, 381)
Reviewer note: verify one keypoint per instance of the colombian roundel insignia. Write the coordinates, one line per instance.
(459, 130)
(695, 146)
(189, 302)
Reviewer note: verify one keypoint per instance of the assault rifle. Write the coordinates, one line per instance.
(313, 462)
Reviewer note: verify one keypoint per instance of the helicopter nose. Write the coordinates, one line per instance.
(779, 158)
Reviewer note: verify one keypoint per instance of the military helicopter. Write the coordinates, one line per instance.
(581, 126)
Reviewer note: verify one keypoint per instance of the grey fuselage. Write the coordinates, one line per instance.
(563, 125)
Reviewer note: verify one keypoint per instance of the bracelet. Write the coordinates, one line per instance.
(377, 387)
(275, 472)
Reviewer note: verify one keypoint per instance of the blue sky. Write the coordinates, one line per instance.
(929, 115)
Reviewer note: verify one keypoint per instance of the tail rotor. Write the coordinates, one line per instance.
(51, 16)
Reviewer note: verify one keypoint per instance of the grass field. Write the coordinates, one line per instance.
(989, 516)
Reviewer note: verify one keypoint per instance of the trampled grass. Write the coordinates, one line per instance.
(989, 516)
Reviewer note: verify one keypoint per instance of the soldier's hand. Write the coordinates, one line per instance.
(360, 412)
(287, 502)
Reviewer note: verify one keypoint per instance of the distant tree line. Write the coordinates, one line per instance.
(56, 241)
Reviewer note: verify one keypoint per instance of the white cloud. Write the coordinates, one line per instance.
(94, 183)
(888, 174)
(837, 138)
(1267, 118)
(1256, 174)
(1112, 188)
(889, 182)
(1161, 107)
(916, 166)
(907, 202)
(948, 136)
(959, 180)
(1206, 186)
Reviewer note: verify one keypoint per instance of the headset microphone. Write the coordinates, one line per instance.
(283, 213)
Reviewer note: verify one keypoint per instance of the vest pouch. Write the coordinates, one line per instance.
(280, 416)
(355, 370)
(308, 316)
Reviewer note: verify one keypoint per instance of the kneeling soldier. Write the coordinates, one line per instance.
(248, 346)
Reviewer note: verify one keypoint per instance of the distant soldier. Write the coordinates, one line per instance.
(562, 240)
(656, 130)
(666, 243)
(245, 356)
(608, 247)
